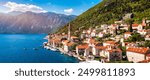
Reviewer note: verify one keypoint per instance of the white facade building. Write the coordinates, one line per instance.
(136, 54)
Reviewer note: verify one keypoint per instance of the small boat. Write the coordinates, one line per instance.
(69, 54)
(45, 46)
(61, 53)
(54, 49)
(46, 37)
(49, 48)
(44, 43)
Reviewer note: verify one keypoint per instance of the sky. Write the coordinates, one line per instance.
(68, 7)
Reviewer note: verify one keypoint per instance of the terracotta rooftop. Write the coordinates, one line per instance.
(74, 37)
(114, 24)
(128, 33)
(56, 40)
(114, 50)
(65, 41)
(92, 40)
(135, 25)
(141, 50)
(83, 46)
(70, 43)
(101, 47)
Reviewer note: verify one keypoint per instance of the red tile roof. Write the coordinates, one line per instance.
(74, 37)
(92, 40)
(141, 50)
(135, 25)
(55, 40)
(114, 25)
(83, 46)
(114, 50)
(65, 41)
(70, 43)
(128, 33)
(101, 47)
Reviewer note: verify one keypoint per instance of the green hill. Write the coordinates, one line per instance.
(108, 11)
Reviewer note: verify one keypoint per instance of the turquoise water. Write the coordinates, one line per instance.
(19, 48)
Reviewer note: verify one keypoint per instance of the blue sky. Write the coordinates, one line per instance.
(74, 7)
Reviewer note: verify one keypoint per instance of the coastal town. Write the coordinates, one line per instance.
(121, 42)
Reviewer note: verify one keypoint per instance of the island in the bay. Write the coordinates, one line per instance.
(113, 31)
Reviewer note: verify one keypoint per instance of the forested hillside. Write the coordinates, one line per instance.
(108, 11)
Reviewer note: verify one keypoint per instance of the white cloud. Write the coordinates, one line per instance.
(12, 6)
(68, 11)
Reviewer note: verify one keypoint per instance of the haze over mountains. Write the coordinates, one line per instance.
(29, 22)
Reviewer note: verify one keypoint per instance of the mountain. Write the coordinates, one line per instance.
(15, 13)
(29, 22)
(108, 11)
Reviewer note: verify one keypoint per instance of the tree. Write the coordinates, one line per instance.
(122, 31)
(135, 37)
(107, 35)
(129, 22)
(147, 44)
(116, 31)
(99, 39)
(109, 11)
(74, 47)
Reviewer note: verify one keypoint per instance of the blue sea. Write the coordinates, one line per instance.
(20, 48)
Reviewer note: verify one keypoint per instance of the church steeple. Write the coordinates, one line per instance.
(69, 34)
(144, 22)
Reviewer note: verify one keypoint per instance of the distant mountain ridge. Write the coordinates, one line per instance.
(15, 13)
(108, 11)
(29, 22)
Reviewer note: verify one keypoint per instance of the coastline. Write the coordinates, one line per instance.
(63, 52)
(80, 58)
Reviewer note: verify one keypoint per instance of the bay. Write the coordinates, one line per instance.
(20, 48)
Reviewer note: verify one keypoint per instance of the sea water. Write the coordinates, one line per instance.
(27, 48)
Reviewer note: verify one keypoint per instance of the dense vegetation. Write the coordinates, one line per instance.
(107, 11)
(135, 37)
